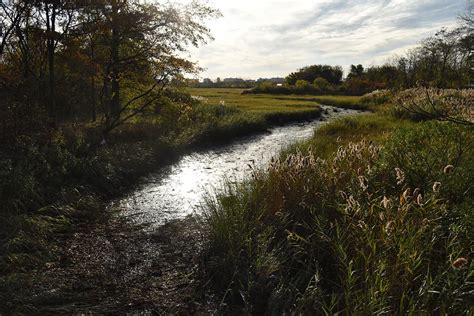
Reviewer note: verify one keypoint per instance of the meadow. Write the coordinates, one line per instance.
(270, 104)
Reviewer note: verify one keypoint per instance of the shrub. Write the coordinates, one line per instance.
(427, 153)
(302, 84)
(321, 83)
(446, 105)
(376, 97)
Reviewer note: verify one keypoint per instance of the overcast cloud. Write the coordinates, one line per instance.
(270, 38)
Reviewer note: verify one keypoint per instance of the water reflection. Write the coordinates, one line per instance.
(176, 191)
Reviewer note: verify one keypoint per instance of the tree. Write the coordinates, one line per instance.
(11, 14)
(321, 83)
(302, 84)
(356, 71)
(333, 74)
(144, 43)
(63, 57)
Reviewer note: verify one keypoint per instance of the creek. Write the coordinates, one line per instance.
(177, 190)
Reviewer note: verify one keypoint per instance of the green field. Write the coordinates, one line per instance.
(266, 103)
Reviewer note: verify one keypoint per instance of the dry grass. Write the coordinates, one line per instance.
(371, 216)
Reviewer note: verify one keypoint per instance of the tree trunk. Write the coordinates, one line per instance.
(115, 100)
(50, 43)
(92, 87)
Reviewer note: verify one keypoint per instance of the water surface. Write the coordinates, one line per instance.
(176, 190)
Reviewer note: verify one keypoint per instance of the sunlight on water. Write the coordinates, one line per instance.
(177, 190)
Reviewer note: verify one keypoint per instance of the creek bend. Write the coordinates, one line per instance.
(176, 190)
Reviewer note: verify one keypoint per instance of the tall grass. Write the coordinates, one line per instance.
(366, 229)
(45, 180)
(207, 123)
(448, 105)
(255, 104)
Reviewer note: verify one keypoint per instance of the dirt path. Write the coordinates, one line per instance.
(116, 268)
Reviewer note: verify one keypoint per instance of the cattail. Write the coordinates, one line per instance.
(436, 187)
(448, 169)
(460, 263)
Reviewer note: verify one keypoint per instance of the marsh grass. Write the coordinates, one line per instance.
(49, 183)
(262, 103)
(259, 104)
(370, 216)
(328, 138)
(441, 104)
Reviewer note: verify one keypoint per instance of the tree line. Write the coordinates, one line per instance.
(444, 60)
(97, 60)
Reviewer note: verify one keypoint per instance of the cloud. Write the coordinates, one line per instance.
(274, 37)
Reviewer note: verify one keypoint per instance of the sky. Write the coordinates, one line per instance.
(271, 38)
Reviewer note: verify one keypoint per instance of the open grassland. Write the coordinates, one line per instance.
(373, 215)
(259, 103)
(343, 101)
(273, 109)
(267, 103)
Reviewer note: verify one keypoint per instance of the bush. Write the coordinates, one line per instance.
(446, 105)
(377, 97)
(321, 83)
(429, 153)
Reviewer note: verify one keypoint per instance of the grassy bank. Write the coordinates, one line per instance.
(267, 103)
(51, 182)
(347, 102)
(372, 215)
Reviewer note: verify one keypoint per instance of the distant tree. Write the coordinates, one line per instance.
(386, 75)
(302, 84)
(321, 83)
(265, 85)
(356, 71)
(333, 74)
(467, 17)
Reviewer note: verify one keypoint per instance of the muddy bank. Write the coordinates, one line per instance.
(118, 268)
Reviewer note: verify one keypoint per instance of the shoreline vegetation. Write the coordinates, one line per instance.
(52, 188)
(221, 112)
(372, 215)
